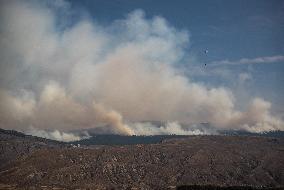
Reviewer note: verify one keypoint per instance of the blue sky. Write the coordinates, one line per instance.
(63, 62)
(230, 30)
(247, 28)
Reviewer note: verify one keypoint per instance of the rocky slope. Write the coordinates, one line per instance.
(201, 160)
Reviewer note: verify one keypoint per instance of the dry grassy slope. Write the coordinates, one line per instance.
(15, 144)
(217, 160)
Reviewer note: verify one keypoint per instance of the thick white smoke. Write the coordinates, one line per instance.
(56, 135)
(63, 78)
(169, 128)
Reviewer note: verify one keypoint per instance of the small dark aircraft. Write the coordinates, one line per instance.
(205, 51)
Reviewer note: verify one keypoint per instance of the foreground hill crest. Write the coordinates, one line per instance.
(201, 160)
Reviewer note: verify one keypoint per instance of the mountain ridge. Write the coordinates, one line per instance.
(218, 161)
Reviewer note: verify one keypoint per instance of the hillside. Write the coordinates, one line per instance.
(195, 160)
(15, 144)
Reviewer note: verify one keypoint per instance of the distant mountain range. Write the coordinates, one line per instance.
(110, 139)
(99, 136)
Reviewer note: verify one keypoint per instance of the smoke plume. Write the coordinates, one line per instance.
(63, 75)
(56, 135)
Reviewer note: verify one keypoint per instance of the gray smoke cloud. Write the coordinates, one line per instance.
(258, 60)
(64, 78)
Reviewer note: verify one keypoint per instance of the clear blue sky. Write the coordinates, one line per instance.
(229, 29)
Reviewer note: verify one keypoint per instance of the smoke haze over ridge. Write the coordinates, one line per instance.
(61, 77)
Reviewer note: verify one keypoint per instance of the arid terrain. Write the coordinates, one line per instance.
(34, 163)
